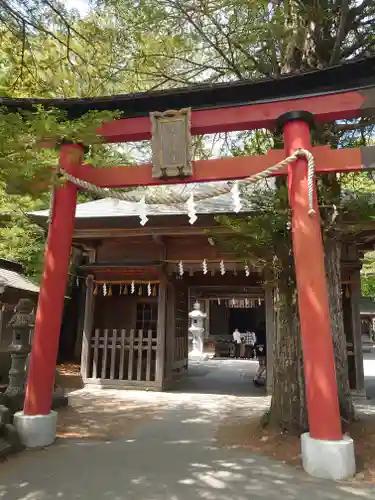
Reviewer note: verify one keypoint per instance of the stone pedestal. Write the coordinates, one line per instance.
(10, 442)
(15, 402)
(197, 351)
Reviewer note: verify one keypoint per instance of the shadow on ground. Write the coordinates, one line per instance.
(169, 455)
(132, 445)
(230, 377)
(174, 471)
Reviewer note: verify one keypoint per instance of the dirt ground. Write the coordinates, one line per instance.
(69, 369)
(69, 376)
(249, 434)
(97, 418)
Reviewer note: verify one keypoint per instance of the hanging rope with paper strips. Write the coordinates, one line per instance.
(109, 288)
(174, 198)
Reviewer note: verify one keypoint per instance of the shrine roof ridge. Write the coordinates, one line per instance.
(348, 76)
(115, 209)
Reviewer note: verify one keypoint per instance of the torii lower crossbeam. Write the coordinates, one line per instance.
(224, 169)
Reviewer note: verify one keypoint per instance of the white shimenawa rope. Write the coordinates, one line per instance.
(168, 198)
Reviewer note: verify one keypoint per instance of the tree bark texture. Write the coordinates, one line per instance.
(332, 249)
(288, 406)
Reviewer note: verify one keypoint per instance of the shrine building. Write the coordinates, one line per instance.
(138, 283)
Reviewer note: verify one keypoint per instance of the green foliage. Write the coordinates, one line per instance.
(62, 55)
(127, 46)
(368, 275)
(23, 160)
(225, 39)
(20, 239)
(259, 237)
(368, 285)
(27, 169)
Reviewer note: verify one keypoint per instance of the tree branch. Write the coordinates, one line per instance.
(20, 19)
(356, 126)
(341, 32)
(216, 47)
(360, 9)
(65, 21)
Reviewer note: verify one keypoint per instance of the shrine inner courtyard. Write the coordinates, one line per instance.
(179, 445)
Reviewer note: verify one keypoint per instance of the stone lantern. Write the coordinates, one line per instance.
(196, 329)
(22, 322)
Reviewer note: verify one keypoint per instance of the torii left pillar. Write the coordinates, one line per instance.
(37, 423)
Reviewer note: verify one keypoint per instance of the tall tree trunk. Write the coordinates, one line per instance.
(332, 248)
(288, 406)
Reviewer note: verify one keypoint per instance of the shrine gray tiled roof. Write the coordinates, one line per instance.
(110, 207)
(16, 280)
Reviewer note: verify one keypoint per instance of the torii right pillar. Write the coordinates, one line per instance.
(325, 451)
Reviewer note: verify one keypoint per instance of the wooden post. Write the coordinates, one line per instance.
(131, 355)
(270, 328)
(87, 327)
(355, 290)
(170, 331)
(80, 323)
(160, 346)
(2, 306)
(207, 320)
(95, 371)
(78, 344)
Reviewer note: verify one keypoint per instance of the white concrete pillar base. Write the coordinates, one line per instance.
(36, 431)
(328, 459)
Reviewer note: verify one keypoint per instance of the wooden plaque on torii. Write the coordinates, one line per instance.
(171, 144)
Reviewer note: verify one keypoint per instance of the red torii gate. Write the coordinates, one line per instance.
(294, 118)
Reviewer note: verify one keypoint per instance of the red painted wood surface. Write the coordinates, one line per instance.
(52, 291)
(325, 108)
(316, 334)
(240, 167)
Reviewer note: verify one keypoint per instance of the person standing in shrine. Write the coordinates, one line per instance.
(249, 341)
(237, 343)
